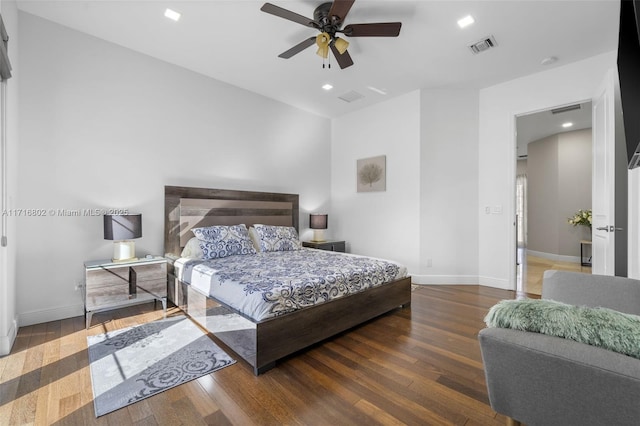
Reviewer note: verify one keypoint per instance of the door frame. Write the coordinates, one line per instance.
(511, 234)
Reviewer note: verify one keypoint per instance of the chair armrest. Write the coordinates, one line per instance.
(539, 379)
(575, 288)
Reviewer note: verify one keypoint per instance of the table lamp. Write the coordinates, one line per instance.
(318, 222)
(122, 229)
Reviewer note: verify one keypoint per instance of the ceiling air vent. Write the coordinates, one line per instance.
(565, 109)
(482, 45)
(351, 96)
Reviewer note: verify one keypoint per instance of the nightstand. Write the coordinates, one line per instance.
(111, 285)
(326, 245)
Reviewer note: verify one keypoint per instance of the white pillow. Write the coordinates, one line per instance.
(192, 250)
(255, 239)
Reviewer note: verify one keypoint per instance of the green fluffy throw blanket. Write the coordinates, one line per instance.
(602, 327)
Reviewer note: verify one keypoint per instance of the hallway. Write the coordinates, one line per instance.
(530, 272)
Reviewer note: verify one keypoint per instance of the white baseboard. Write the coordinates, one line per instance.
(555, 257)
(461, 280)
(495, 283)
(53, 314)
(445, 279)
(6, 342)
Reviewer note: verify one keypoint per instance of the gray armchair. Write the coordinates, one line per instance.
(543, 380)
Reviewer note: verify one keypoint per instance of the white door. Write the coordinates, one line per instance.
(603, 185)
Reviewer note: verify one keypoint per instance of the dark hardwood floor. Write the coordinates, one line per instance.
(418, 366)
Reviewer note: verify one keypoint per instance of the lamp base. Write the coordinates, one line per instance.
(124, 251)
(131, 259)
(318, 236)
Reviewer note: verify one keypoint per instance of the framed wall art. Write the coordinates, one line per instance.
(372, 174)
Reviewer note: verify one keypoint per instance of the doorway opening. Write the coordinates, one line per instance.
(553, 183)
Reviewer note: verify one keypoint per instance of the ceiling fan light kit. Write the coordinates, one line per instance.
(341, 44)
(322, 40)
(328, 19)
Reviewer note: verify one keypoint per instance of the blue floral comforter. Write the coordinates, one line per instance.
(266, 285)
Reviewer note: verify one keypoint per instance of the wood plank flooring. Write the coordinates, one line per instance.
(532, 268)
(418, 366)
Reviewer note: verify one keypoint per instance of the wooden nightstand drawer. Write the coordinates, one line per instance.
(157, 287)
(150, 272)
(326, 245)
(104, 277)
(107, 295)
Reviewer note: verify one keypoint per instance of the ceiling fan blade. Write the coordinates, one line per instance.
(340, 8)
(344, 60)
(289, 15)
(298, 48)
(381, 29)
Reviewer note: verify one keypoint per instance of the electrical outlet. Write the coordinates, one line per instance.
(79, 285)
(429, 263)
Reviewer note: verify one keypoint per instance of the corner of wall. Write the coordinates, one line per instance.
(6, 342)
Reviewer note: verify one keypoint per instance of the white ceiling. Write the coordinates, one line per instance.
(233, 41)
(535, 126)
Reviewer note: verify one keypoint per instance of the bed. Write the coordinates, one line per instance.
(287, 325)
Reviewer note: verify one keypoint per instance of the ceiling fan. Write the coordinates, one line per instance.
(328, 19)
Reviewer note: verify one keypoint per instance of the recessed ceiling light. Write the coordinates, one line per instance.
(172, 14)
(567, 124)
(327, 86)
(466, 21)
(548, 61)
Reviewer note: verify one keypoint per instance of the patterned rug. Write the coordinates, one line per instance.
(138, 362)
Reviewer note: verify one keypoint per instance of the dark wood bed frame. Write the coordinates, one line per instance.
(261, 343)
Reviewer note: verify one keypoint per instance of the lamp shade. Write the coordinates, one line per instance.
(318, 221)
(341, 45)
(322, 40)
(122, 227)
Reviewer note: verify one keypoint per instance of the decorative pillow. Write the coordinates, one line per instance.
(223, 241)
(602, 327)
(192, 250)
(277, 238)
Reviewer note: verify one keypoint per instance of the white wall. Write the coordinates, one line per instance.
(559, 184)
(105, 127)
(497, 155)
(381, 224)
(448, 187)
(8, 317)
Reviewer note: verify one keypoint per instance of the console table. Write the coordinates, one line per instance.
(583, 244)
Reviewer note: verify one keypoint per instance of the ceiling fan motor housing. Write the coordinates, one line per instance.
(328, 24)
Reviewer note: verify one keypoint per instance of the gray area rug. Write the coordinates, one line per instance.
(138, 362)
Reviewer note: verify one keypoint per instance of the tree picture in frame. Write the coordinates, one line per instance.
(372, 174)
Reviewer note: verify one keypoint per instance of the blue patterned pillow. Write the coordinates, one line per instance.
(277, 238)
(223, 241)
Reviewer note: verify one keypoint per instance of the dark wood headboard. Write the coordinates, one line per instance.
(187, 207)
